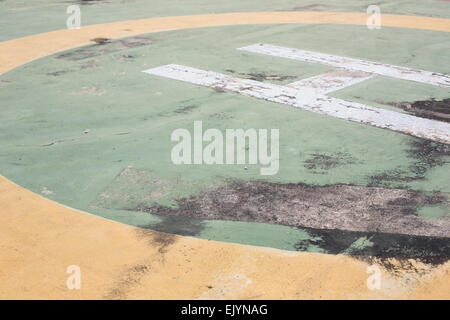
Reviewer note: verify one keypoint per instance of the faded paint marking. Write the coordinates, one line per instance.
(331, 81)
(422, 76)
(308, 99)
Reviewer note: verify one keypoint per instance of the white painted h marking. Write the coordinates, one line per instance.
(310, 94)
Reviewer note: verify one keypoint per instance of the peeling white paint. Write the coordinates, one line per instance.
(422, 76)
(307, 98)
(331, 81)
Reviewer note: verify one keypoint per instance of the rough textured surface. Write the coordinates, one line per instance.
(343, 207)
(72, 159)
(431, 109)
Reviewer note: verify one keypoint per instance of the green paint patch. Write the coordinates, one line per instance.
(360, 244)
(258, 234)
(434, 212)
(389, 93)
(133, 189)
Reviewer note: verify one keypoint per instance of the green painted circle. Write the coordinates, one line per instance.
(88, 129)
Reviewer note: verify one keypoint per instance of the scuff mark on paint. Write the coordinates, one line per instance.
(89, 91)
(46, 191)
(321, 163)
(262, 76)
(104, 46)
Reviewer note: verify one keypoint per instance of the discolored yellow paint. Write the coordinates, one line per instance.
(39, 238)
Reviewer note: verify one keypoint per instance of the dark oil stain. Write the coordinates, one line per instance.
(340, 207)
(132, 276)
(180, 110)
(100, 40)
(127, 56)
(59, 73)
(381, 245)
(320, 163)
(262, 76)
(185, 109)
(221, 116)
(164, 240)
(426, 155)
(90, 64)
(428, 250)
(161, 240)
(430, 109)
(104, 46)
(398, 266)
(184, 226)
(219, 89)
(336, 217)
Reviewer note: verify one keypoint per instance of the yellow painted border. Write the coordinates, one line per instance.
(40, 238)
(19, 51)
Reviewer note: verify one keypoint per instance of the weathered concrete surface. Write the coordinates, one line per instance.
(34, 259)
